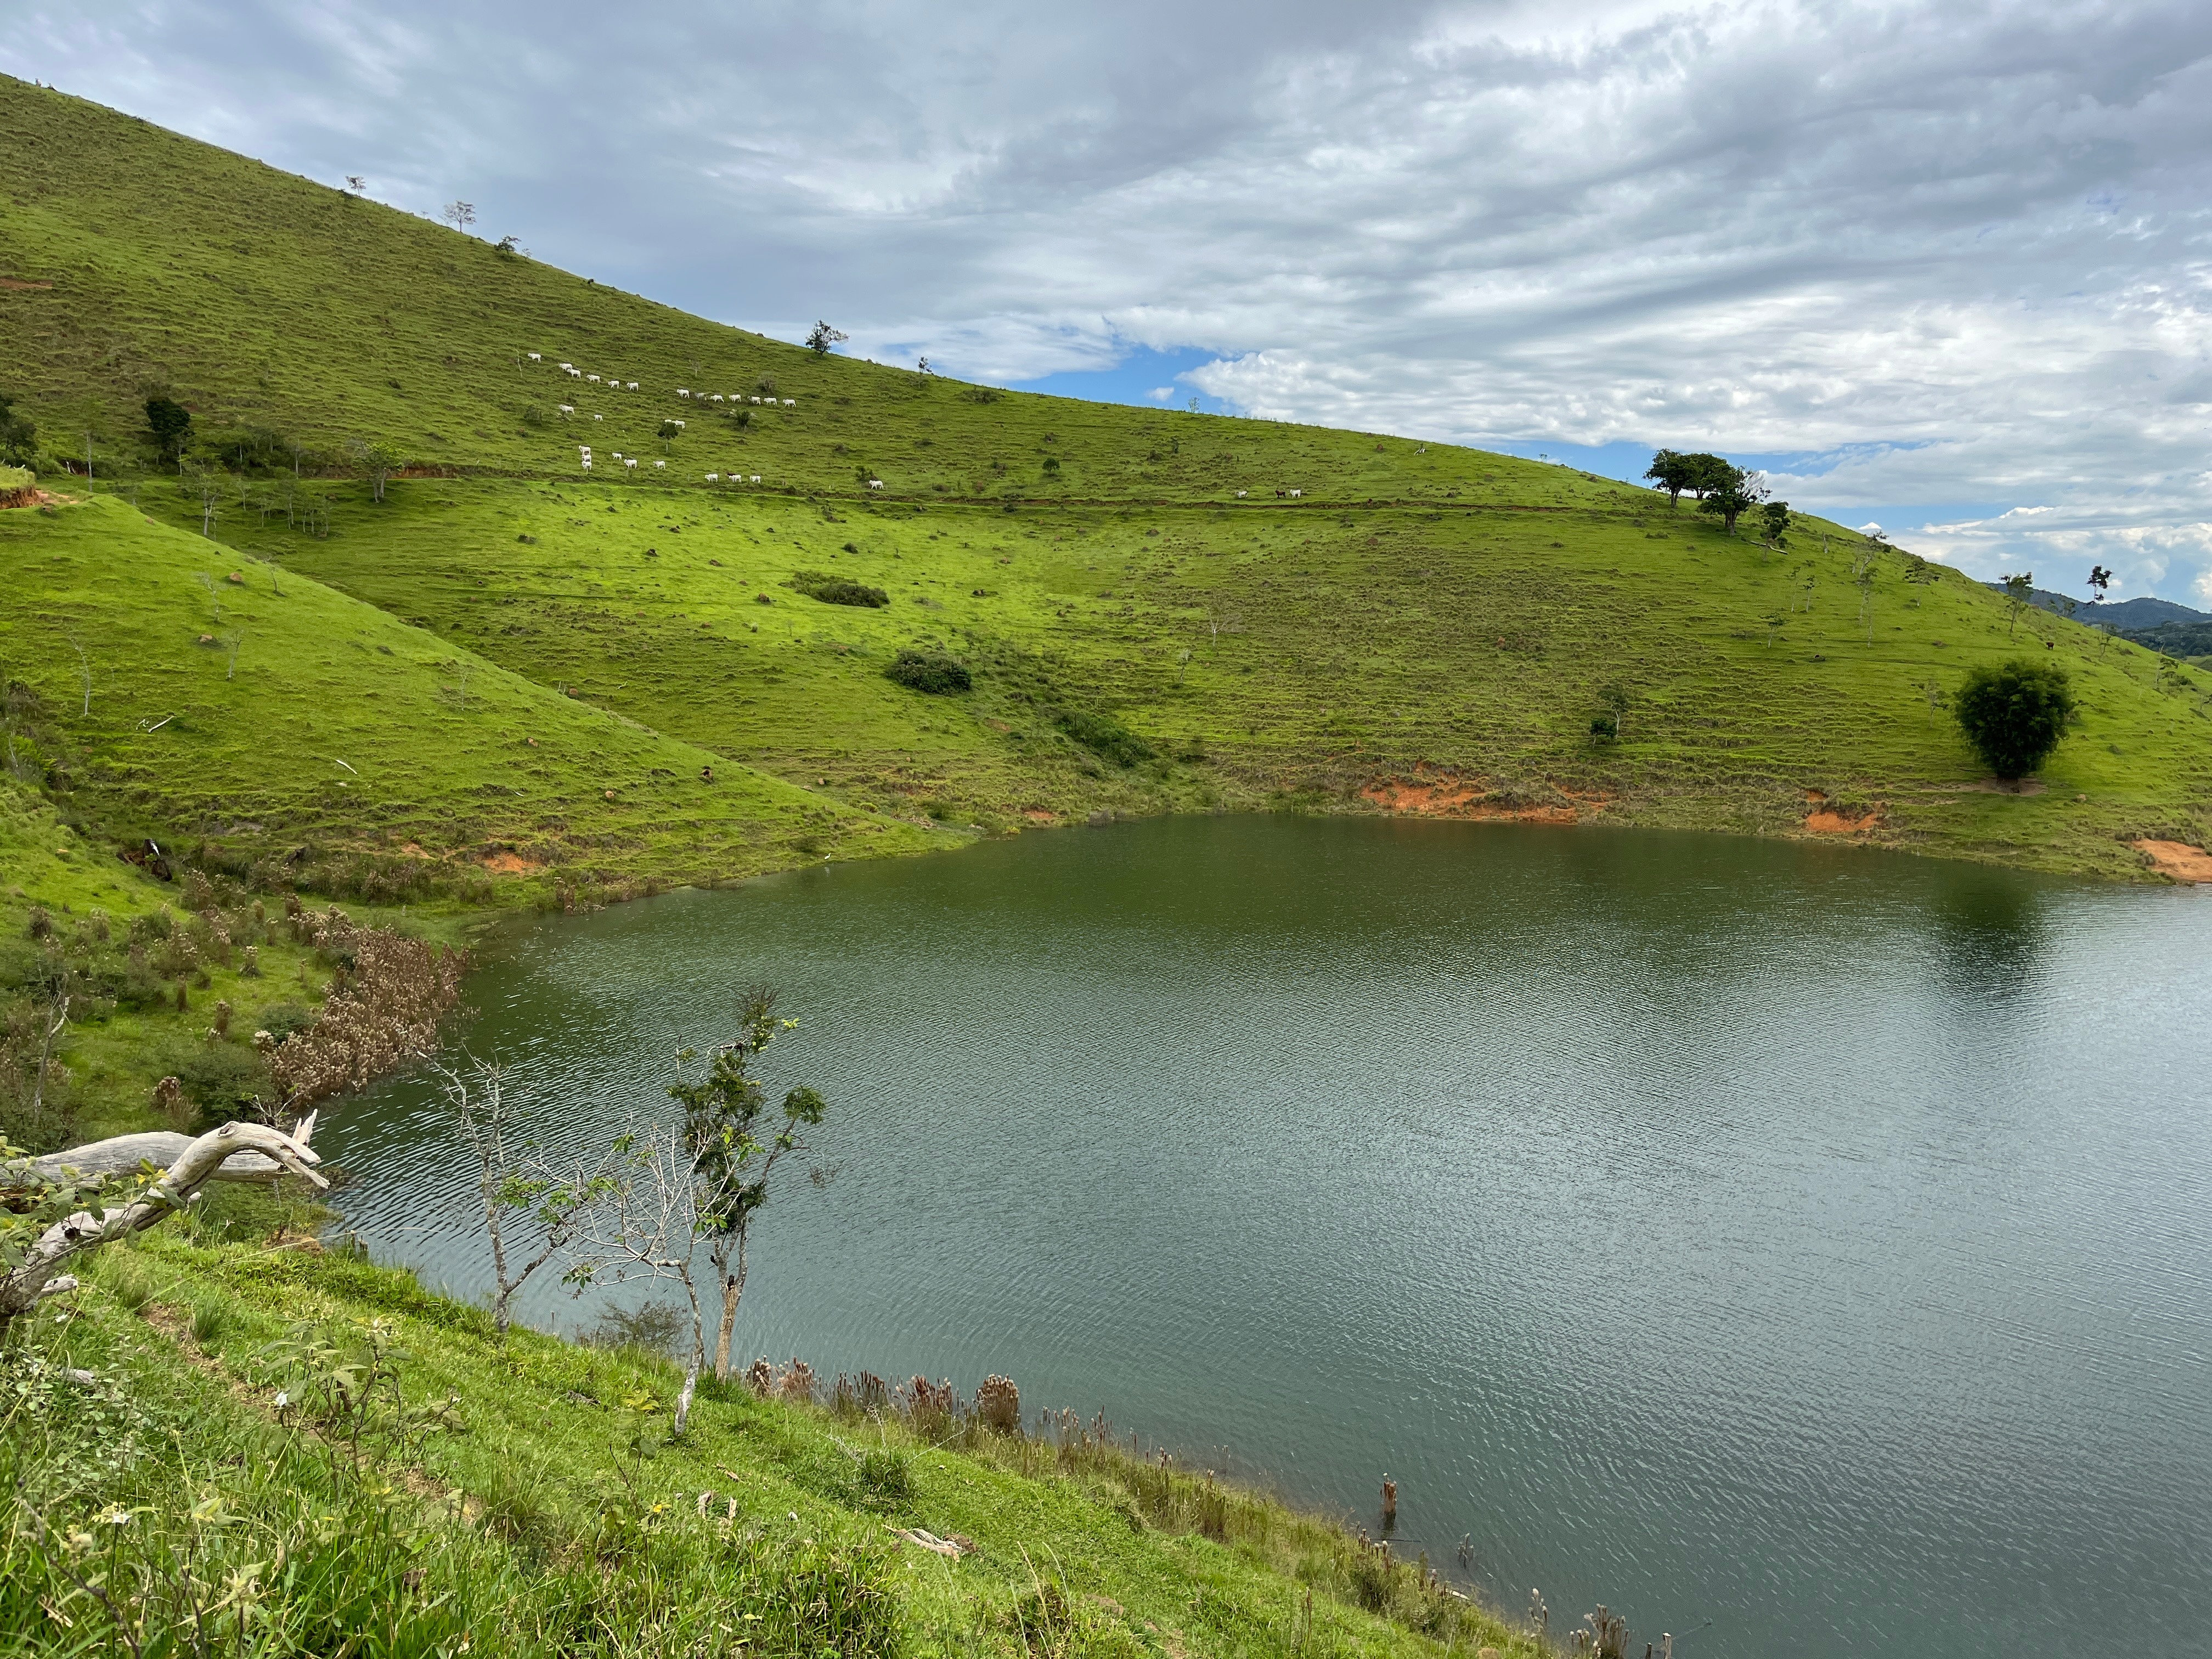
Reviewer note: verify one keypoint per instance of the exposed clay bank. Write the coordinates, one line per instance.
(1798, 1238)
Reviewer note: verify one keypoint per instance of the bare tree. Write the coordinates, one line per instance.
(646, 1225)
(516, 1184)
(231, 642)
(460, 215)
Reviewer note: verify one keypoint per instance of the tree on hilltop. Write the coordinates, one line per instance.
(2014, 713)
(2019, 590)
(1729, 492)
(822, 336)
(1674, 472)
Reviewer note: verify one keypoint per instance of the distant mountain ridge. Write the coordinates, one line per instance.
(2128, 615)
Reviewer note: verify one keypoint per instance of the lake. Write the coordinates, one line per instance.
(1801, 1248)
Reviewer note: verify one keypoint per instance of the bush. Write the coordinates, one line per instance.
(224, 1079)
(836, 590)
(281, 1020)
(1103, 736)
(932, 671)
(2014, 713)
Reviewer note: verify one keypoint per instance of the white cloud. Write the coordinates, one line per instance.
(1956, 257)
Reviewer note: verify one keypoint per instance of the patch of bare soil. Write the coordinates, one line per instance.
(20, 285)
(506, 862)
(1999, 786)
(2178, 859)
(1827, 820)
(1449, 795)
(30, 497)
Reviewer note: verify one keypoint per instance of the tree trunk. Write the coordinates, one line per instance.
(693, 1366)
(39, 1272)
(733, 1287)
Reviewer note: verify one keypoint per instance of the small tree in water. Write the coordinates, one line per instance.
(2014, 713)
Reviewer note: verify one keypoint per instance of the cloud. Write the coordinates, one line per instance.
(1916, 257)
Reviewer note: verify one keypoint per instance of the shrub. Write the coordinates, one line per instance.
(836, 590)
(281, 1020)
(932, 671)
(2014, 713)
(1103, 736)
(224, 1079)
(17, 484)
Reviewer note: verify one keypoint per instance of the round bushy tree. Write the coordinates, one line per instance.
(2014, 713)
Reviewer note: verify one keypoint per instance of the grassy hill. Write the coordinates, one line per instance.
(462, 1494)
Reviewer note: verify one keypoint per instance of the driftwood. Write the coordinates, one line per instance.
(39, 1273)
(122, 1155)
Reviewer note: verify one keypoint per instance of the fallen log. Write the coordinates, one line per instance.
(123, 1155)
(36, 1271)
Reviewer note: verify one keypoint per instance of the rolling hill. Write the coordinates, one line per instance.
(1160, 610)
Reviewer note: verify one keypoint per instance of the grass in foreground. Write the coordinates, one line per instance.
(526, 1500)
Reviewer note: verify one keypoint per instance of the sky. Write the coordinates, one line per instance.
(1944, 267)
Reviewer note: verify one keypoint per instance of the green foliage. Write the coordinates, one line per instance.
(19, 439)
(932, 671)
(1728, 491)
(284, 1020)
(1776, 521)
(169, 423)
(16, 479)
(837, 590)
(1103, 736)
(224, 1081)
(2014, 713)
(1673, 472)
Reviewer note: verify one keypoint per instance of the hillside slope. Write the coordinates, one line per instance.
(1420, 629)
(525, 1497)
(168, 688)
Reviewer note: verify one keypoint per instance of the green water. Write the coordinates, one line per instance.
(1803, 1250)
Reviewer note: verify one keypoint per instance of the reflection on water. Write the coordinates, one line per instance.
(1803, 1247)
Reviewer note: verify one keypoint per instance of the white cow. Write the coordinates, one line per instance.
(599, 417)
(714, 398)
(678, 425)
(1242, 494)
(535, 356)
(660, 463)
(568, 409)
(570, 366)
(714, 477)
(1295, 494)
(755, 399)
(633, 386)
(875, 483)
(587, 463)
(594, 379)
(617, 454)
(755, 477)
(683, 391)
(791, 402)
(631, 462)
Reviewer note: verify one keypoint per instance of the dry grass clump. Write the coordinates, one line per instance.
(385, 1002)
